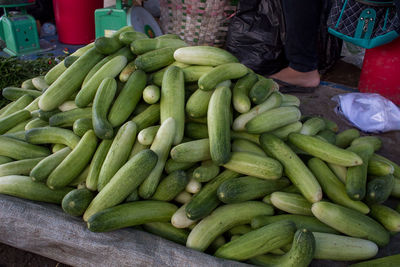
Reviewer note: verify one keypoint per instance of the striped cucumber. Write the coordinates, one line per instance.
(13, 93)
(9, 121)
(312, 126)
(204, 55)
(52, 135)
(22, 103)
(221, 73)
(241, 145)
(67, 118)
(18, 149)
(43, 169)
(96, 164)
(18, 167)
(36, 123)
(155, 59)
(192, 151)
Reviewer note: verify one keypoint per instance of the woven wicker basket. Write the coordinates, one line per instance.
(198, 22)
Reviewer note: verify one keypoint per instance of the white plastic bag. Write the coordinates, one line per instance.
(368, 112)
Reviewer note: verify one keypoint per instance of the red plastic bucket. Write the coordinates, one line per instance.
(75, 20)
(380, 72)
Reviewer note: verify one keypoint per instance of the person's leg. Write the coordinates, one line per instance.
(302, 22)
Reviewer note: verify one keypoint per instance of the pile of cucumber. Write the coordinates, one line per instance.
(191, 145)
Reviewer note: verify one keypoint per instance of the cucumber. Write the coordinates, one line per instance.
(161, 146)
(67, 118)
(109, 70)
(9, 121)
(339, 171)
(151, 94)
(379, 189)
(23, 187)
(137, 147)
(67, 105)
(69, 81)
(290, 100)
(254, 165)
(228, 71)
(81, 126)
(183, 197)
(261, 90)
(172, 165)
(204, 55)
(27, 84)
(240, 93)
(196, 130)
(313, 126)
(52, 135)
(40, 84)
(248, 188)
(74, 163)
(179, 219)
(172, 102)
(127, 71)
(222, 219)
(131, 214)
(387, 261)
(157, 77)
(4, 159)
(145, 45)
(69, 60)
(379, 167)
(123, 182)
(294, 168)
(127, 99)
(118, 153)
(206, 172)
(147, 135)
(19, 167)
(193, 186)
(246, 136)
(18, 149)
(218, 122)
(45, 115)
(396, 167)
(13, 93)
(134, 196)
(17, 105)
(342, 248)
(204, 202)
(387, 216)
(333, 187)
(193, 73)
(80, 180)
(167, 231)
(272, 119)
(192, 151)
(241, 145)
(240, 230)
(155, 59)
(328, 136)
(76, 202)
(36, 123)
(57, 147)
(198, 103)
(102, 101)
(43, 169)
(344, 139)
(20, 127)
(149, 117)
(284, 131)
(356, 176)
(258, 242)
(96, 164)
(130, 36)
(107, 45)
(325, 151)
(171, 186)
(375, 141)
(356, 224)
(300, 254)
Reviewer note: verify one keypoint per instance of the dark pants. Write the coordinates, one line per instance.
(302, 22)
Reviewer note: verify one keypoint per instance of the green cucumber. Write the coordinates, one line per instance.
(67, 118)
(248, 188)
(74, 163)
(107, 45)
(18, 149)
(198, 102)
(344, 139)
(192, 151)
(240, 93)
(147, 135)
(172, 102)
(284, 131)
(57, 147)
(356, 224)
(387, 216)
(130, 36)
(246, 136)
(40, 84)
(328, 136)
(379, 189)
(294, 168)
(134, 196)
(19, 127)
(396, 167)
(333, 187)
(52, 135)
(222, 219)
(16, 135)
(109, 70)
(254, 165)
(127, 71)
(180, 220)
(137, 147)
(221, 73)
(375, 141)
(76, 202)
(17, 105)
(131, 214)
(161, 146)
(43, 169)
(387, 261)
(241, 145)
(343, 248)
(204, 55)
(81, 126)
(18, 167)
(9, 121)
(261, 90)
(69, 60)
(118, 153)
(325, 151)
(172, 165)
(167, 231)
(69, 81)
(45, 115)
(196, 130)
(96, 164)
(206, 172)
(36, 123)
(378, 167)
(339, 171)
(127, 99)
(290, 100)
(4, 159)
(102, 101)
(193, 73)
(171, 186)
(155, 59)
(27, 84)
(23, 187)
(183, 197)
(142, 46)
(157, 77)
(193, 186)
(312, 126)
(300, 254)
(149, 117)
(13, 93)
(240, 230)
(151, 94)
(291, 203)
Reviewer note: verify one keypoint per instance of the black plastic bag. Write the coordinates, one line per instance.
(256, 35)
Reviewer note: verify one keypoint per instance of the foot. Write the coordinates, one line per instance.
(303, 79)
